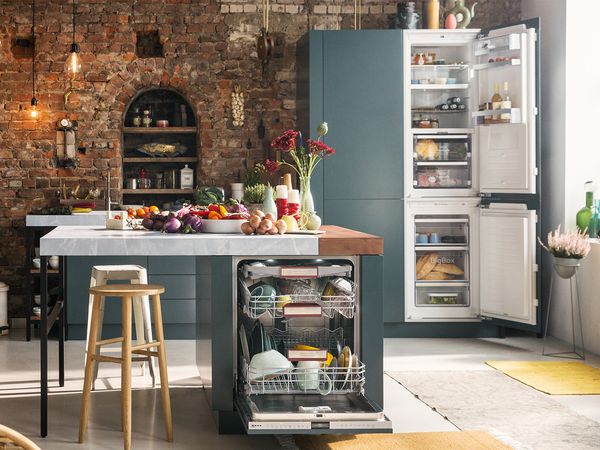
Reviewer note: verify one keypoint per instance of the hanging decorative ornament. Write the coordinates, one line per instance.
(73, 62)
(34, 112)
(237, 106)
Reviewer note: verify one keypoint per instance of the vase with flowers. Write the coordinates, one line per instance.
(303, 158)
(567, 249)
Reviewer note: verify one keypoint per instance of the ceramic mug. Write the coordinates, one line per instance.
(310, 376)
(54, 262)
(262, 298)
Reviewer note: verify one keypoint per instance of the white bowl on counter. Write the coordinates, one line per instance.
(222, 226)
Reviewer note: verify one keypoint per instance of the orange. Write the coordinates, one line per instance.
(141, 213)
(154, 209)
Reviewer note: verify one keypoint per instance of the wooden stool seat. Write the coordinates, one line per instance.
(126, 292)
(133, 290)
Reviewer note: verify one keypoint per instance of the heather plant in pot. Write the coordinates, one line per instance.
(303, 158)
(567, 249)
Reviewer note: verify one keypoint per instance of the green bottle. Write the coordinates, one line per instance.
(584, 215)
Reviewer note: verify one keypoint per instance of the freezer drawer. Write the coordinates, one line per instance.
(311, 414)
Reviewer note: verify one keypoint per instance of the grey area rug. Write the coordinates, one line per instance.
(491, 401)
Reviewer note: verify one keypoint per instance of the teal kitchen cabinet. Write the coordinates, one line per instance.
(353, 81)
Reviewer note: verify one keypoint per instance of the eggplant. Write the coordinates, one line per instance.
(172, 225)
(148, 224)
(194, 222)
(158, 225)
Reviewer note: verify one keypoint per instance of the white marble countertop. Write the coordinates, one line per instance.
(55, 220)
(98, 241)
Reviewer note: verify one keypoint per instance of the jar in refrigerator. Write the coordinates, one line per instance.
(444, 150)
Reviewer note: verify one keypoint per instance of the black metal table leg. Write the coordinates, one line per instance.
(61, 347)
(28, 289)
(44, 346)
(63, 271)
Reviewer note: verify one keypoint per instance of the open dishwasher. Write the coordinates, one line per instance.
(298, 348)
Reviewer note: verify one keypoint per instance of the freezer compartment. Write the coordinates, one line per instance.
(291, 298)
(442, 264)
(446, 296)
(311, 414)
(441, 231)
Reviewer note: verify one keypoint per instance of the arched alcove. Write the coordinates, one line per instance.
(154, 152)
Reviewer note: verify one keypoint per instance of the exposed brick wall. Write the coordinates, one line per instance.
(208, 47)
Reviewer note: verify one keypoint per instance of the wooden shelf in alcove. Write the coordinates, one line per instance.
(157, 130)
(176, 159)
(157, 191)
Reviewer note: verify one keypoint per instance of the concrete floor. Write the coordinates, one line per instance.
(193, 423)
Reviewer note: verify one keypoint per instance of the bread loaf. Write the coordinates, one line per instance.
(450, 269)
(425, 264)
(436, 276)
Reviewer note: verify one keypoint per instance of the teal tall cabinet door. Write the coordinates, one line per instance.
(356, 87)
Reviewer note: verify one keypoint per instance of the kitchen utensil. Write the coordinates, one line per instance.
(345, 360)
(222, 226)
(269, 364)
(258, 345)
(310, 376)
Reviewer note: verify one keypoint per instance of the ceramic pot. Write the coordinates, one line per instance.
(566, 267)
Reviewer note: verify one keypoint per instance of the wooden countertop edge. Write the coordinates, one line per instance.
(339, 241)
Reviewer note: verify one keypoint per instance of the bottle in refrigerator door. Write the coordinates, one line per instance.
(496, 100)
(505, 104)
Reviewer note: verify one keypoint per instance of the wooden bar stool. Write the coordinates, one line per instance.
(126, 292)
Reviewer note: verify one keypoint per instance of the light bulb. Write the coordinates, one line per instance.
(34, 112)
(73, 62)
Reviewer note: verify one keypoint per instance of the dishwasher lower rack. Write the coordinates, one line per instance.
(300, 380)
(256, 306)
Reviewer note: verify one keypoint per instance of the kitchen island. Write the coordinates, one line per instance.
(217, 262)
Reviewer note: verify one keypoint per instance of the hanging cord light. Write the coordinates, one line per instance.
(73, 63)
(34, 102)
(358, 14)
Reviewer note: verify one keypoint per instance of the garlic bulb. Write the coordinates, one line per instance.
(237, 106)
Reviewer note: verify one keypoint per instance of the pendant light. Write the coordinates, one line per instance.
(34, 102)
(73, 62)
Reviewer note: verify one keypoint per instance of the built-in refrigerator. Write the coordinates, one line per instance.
(471, 173)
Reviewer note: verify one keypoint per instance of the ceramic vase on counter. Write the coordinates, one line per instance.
(269, 205)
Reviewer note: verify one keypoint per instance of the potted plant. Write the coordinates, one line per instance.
(567, 250)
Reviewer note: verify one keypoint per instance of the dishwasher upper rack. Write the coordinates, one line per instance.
(256, 306)
(258, 269)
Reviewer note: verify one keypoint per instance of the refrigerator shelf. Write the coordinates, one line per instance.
(515, 114)
(442, 131)
(440, 66)
(438, 111)
(441, 247)
(439, 87)
(300, 380)
(442, 283)
(495, 64)
(442, 163)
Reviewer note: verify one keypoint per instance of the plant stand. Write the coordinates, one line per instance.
(566, 268)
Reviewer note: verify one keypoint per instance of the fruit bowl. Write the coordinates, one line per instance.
(223, 226)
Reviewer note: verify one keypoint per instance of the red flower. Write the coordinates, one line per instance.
(319, 148)
(286, 142)
(272, 166)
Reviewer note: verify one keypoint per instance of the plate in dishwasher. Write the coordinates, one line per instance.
(311, 413)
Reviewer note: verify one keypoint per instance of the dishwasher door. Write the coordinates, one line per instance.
(311, 414)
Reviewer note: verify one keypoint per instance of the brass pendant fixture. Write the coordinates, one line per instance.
(34, 103)
(73, 62)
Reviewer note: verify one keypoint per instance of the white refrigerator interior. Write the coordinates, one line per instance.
(470, 135)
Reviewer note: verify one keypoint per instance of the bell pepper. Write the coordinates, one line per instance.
(223, 211)
(213, 207)
(213, 215)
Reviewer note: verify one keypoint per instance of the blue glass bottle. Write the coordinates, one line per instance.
(594, 227)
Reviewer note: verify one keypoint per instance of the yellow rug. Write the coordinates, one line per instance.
(553, 377)
(451, 440)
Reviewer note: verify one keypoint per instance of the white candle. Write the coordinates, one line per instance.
(281, 191)
(294, 196)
